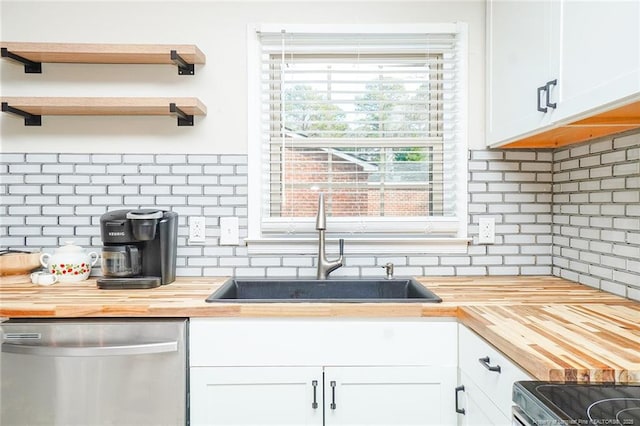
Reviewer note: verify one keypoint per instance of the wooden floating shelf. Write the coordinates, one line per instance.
(32, 55)
(31, 108)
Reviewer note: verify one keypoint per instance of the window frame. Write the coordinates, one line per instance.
(261, 241)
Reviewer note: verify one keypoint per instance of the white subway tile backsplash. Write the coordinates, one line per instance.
(629, 168)
(40, 199)
(569, 164)
(171, 159)
(514, 187)
(173, 200)
(41, 158)
(74, 158)
(590, 161)
(233, 159)
(137, 158)
(486, 176)
(604, 225)
(605, 145)
(521, 155)
(24, 168)
(36, 242)
(154, 169)
(6, 220)
(631, 140)
(106, 158)
(219, 170)
(487, 155)
(282, 272)
(57, 189)
(186, 169)
(218, 190)
(137, 180)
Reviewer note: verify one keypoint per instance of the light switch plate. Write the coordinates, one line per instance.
(229, 231)
(487, 230)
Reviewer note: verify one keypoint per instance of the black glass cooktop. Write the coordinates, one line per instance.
(580, 404)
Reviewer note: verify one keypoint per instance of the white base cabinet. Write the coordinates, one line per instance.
(255, 396)
(389, 396)
(316, 396)
(358, 372)
(487, 376)
(479, 409)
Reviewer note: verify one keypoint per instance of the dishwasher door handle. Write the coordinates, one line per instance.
(91, 351)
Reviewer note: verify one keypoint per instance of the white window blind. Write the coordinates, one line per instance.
(370, 119)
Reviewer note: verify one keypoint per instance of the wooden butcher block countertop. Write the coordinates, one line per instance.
(553, 328)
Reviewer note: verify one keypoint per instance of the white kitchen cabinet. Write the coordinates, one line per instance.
(479, 409)
(487, 376)
(574, 59)
(522, 56)
(600, 60)
(256, 396)
(401, 395)
(375, 372)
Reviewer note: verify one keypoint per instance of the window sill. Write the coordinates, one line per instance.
(371, 246)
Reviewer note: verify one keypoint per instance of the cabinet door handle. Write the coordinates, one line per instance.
(333, 394)
(485, 363)
(458, 409)
(314, 404)
(547, 89)
(538, 93)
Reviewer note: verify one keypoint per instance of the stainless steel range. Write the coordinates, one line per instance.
(557, 403)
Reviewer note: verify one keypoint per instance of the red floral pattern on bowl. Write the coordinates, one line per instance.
(81, 270)
(70, 263)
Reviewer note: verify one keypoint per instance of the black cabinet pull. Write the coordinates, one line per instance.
(547, 89)
(485, 363)
(458, 409)
(333, 394)
(539, 92)
(314, 404)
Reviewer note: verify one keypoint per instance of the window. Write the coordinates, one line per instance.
(374, 119)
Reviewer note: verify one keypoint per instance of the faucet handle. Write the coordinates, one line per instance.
(341, 242)
(388, 269)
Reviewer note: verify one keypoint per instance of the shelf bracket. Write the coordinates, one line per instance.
(29, 119)
(30, 67)
(183, 119)
(184, 68)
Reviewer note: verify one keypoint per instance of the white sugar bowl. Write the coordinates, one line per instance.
(69, 263)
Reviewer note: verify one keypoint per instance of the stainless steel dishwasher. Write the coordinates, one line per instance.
(94, 372)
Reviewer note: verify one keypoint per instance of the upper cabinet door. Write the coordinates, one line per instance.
(581, 56)
(522, 55)
(600, 61)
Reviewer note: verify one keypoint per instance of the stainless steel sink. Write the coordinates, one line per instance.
(261, 290)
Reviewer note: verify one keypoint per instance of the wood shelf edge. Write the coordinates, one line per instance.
(105, 105)
(102, 53)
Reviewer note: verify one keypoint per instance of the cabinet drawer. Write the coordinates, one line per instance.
(302, 342)
(495, 384)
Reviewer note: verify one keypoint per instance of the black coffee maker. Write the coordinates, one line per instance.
(139, 248)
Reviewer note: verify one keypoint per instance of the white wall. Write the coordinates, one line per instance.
(218, 28)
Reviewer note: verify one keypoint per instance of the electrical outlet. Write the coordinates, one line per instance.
(487, 230)
(229, 231)
(197, 226)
